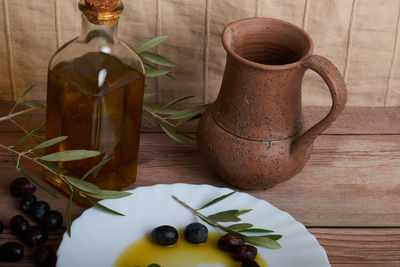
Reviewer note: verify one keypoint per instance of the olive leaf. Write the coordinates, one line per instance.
(53, 167)
(107, 194)
(34, 105)
(50, 142)
(26, 91)
(218, 199)
(81, 200)
(70, 155)
(172, 132)
(274, 237)
(96, 168)
(263, 241)
(29, 134)
(104, 208)
(156, 73)
(241, 212)
(175, 101)
(256, 230)
(82, 185)
(157, 59)
(225, 216)
(240, 226)
(152, 43)
(147, 97)
(158, 109)
(188, 113)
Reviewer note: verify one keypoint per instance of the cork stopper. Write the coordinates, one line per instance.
(102, 5)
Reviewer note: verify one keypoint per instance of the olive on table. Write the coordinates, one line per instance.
(245, 252)
(39, 210)
(230, 241)
(45, 256)
(35, 236)
(27, 202)
(250, 263)
(19, 225)
(196, 233)
(164, 235)
(52, 221)
(1, 227)
(11, 251)
(21, 186)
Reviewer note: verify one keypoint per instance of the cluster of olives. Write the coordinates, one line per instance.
(49, 220)
(166, 235)
(235, 243)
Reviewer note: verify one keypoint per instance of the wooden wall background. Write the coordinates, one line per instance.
(360, 36)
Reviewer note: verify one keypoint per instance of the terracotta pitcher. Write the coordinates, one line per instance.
(254, 136)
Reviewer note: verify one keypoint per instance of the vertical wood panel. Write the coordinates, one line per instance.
(393, 86)
(5, 83)
(183, 21)
(371, 51)
(33, 40)
(222, 13)
(330, 40)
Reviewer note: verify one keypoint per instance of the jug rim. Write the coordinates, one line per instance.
(256, 65)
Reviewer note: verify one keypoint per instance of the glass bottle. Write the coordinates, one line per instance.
(95, 97)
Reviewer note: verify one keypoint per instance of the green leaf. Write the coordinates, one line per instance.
(25, 92)
(262, 241)
(70, 155)
(157, 59)
(274, 237)
(256, 230)
(189, 113)
(218, 199)
(82, 185)
(106, 194)
(34, 105)
(95, 168)
(104, 208)
(50, 142)
(241, 212)
(81, 200)
(173, 102)
(148, 97)
(149, 118)
(53, 167)
(37, 184)
(169, 77)
(156, 73)
(27, 119)
(225, 216)
(172, 132)
(157, 109)
(29, 134)
(152, 43)
(240, 226)
(68, 216)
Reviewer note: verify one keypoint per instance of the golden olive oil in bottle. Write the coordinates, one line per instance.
(95, 97)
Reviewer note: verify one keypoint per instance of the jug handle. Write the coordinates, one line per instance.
(337, 87)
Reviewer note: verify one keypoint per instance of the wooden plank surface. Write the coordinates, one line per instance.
(348, 194)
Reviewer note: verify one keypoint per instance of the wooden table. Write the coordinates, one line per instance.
(348, 195)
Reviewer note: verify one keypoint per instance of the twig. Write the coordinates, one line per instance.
(10, 116)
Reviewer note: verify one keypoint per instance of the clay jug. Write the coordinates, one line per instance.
(253, 136)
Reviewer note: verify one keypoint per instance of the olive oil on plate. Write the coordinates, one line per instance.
(144, 252)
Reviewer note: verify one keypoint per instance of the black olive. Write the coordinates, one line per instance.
(19, 225)
(39, 210)
(11, 251)
(196, 233)
(52, 221)
(250, 263)
(27, 202)
(45, 257)
(229, 242)
(35, 237)
(245, 252)
(21, 186)
(164, 235)
(1, 227)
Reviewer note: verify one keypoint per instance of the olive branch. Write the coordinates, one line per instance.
(165, 117)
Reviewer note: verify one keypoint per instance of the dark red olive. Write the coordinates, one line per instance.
(11, 251)
(229, 242)
(250, 263)
(245, 252)
(19, 225)
(45, 257)
(21, 186)
(35, 237)
(1, 227)
(27, 202)
(52, 221)
(39, 210)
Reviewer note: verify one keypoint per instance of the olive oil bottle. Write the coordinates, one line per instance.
(95, 97)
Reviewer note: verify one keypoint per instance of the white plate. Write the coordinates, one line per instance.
(98, 238)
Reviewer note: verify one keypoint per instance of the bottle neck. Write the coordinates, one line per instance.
(90, 31)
